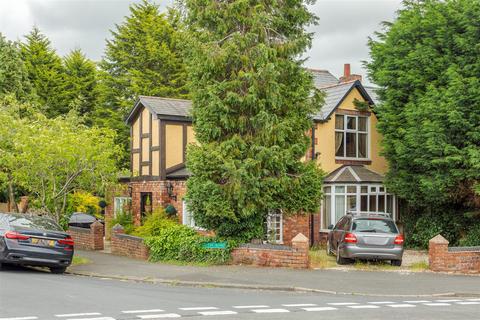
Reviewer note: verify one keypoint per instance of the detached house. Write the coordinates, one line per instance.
(345, 144)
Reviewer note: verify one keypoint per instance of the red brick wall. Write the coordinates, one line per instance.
(442, 259)
(160, 196)
(295, 256)
(128, 246)
(87, 239)
(294, 225)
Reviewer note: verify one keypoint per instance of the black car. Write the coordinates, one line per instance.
(34, 241)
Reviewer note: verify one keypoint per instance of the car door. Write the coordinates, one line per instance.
(337, 232)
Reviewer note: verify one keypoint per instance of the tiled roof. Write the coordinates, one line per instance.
(323, 78)
(167, 106)
(353, 174)
(179, 174)
(333, 96)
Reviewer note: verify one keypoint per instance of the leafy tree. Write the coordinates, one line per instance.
(13, 74)
(142, 58)
(81, 83)
(427, 65)
(50, 158)
(252, 107)
(45, 71)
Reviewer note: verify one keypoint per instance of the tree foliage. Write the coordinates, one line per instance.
(427, 65)
(45, 72)
(142, 58)
(51, 157)
(81, 83)
(13, 73)
(252, 107)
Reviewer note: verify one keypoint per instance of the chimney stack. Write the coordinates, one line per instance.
(348, 76)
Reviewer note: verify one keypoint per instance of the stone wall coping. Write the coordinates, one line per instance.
(464, 249)
(265, 246)
(300, 238)
(96, 224)
(129, 236)
(438, 239)
(78, 229)
(117, 227)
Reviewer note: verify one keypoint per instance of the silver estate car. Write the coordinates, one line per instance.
(367, 237)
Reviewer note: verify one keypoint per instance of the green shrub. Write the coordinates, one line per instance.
(125, 219)
(472, 238)
(168, 240)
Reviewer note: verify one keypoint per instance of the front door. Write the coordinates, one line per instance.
(145, 204)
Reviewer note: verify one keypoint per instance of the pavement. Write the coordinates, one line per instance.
(367, 283)
(32, 294)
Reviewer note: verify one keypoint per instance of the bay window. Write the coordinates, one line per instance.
(351, 136)
(342, 198)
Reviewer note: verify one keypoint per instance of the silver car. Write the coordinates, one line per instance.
(367, 237)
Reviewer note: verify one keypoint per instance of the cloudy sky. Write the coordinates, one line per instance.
(340, 37)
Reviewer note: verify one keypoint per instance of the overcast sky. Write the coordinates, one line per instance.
(340, 37)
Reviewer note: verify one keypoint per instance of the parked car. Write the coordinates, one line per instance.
(365, 236)
(34, 241)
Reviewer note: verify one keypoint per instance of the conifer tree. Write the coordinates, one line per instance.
(45, 71)
(252, 107)
(13, 74)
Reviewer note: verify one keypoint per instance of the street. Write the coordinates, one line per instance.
(29, 294)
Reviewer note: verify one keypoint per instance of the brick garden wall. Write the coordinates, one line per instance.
(293, 225)
(87, 238)
(295, 256)
(127, 245)
(453, 259)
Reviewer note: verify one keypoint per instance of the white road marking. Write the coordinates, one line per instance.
(101, 318)
(300, 305)
(452, 300)
(198, 308)
(365, 306)
(437, 304)
(320, 309)
(217, 313)
(251, 307)
(381, 302)
(20, 318)
(468, 302)
(143, 311)
(270, 310)
(404, 305)
(417, 301)
(77, 314)
(160, 316)
(476, 299)
(342, 303)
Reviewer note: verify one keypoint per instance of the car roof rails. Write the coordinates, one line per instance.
(364, 213)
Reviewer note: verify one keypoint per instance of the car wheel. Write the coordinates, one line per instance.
(396, 263)
(329, 248)
(58, 270)
(340, 259)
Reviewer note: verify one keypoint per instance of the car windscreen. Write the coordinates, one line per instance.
(32, 222)
(374, 225)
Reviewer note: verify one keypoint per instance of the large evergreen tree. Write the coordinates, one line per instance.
(142, 58)
(427, 64)
(45, 72)
(13, 73)
(252, 107)
(81, 83)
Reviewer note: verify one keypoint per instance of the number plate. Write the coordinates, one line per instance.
(43, 242)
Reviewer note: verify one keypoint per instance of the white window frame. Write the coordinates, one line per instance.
(122, 200)
(186, 214)
(275, 225)
(358, 194)
(345, 130)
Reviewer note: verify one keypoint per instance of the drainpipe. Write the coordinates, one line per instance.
(312, 220)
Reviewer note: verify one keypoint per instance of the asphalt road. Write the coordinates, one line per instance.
(27, 294)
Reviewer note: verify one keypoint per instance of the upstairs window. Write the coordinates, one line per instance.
(351, 136)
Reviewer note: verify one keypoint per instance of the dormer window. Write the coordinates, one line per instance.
(351, 137)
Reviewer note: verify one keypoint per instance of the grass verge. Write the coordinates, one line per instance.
(79, 260)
